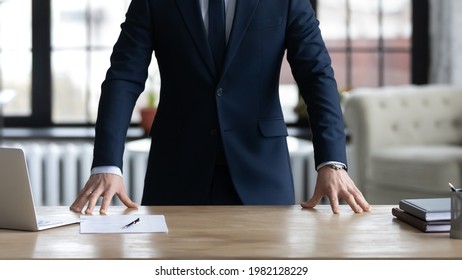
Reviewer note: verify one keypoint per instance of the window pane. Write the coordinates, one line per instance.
(83, 33)
(15, 71)
(397, 23)
(340, 69)
(106, 19)
(15, 55)
(365, 70)
(397, 68)
(68, 24)
(332, 15)
(364, 23)
(82, 23)
(368, 27)
(69, 86)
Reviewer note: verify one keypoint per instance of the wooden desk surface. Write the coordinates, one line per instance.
(240, 232)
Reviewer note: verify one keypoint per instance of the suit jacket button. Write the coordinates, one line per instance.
(213, 132)
(219, 92)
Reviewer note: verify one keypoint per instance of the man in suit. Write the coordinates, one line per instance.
(219, 136)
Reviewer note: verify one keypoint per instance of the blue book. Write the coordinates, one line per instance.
(428, 209)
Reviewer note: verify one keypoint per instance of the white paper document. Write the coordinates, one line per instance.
(123, 224)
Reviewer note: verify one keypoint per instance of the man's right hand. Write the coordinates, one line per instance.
(103, 185)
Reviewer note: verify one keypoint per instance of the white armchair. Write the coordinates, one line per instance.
(407, 140)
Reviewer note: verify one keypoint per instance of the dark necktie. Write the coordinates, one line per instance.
(217, 37)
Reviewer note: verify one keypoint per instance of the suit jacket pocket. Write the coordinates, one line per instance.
(273, 128)
(265, 23)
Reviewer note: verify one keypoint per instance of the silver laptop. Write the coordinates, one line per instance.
(17, 209)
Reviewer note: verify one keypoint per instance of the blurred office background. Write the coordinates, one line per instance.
(54, 55)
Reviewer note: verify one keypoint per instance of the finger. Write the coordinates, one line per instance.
(313, 201)
(81, 200)
(82, 197)
(92, 200)
(334, 204)
(357, 201)
(105, 203)
(126, 200)
(350, 199)
(77, 205)
(361, 201)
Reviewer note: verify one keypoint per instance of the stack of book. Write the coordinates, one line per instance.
(426, 214)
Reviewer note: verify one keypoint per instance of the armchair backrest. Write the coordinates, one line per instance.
(401, 115)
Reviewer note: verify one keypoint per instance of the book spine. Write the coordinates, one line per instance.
(415, 222)
(413, 210)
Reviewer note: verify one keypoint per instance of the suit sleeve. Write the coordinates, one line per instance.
(123, 84)
(311, 67)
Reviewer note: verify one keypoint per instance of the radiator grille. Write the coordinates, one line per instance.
(58, 171)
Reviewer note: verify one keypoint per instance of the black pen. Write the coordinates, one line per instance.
(132, 223)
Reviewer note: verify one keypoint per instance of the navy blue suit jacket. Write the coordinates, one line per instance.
(239, 102)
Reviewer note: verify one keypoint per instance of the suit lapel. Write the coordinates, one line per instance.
(245, 10)
(192, 17)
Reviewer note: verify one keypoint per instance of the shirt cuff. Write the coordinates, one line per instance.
(106, 169)
(330, 162)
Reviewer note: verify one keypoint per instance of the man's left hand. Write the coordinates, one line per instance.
(336, 185)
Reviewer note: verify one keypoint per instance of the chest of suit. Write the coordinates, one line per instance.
(252, 64)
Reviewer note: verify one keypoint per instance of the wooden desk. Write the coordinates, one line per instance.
(240, 232)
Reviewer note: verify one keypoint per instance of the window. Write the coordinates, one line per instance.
(15, 57)
(369, 41)
(83, 34)
(54, 53)
(71, 42)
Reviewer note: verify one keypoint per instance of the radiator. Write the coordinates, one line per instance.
(59, 170)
